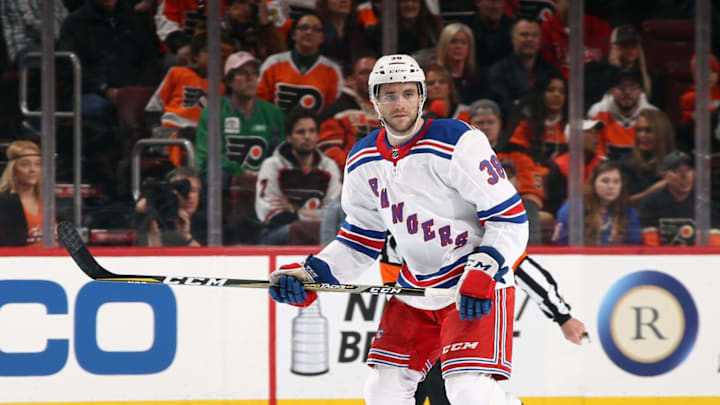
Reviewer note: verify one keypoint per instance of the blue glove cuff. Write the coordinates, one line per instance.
(319, 270)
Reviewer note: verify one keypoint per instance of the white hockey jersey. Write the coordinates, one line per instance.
(441, 195)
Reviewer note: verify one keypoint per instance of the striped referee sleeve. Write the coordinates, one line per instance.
(539, 284)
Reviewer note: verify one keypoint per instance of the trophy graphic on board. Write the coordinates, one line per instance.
(310, 352)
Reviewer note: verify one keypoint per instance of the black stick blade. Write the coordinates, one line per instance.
(73, 243)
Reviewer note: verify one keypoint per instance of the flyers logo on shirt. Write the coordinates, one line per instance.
(246, 150)
(194, 97)
(289, 95)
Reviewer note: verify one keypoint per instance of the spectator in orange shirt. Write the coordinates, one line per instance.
(442, 99)
(619, 110)
(20, 200)
(351, 117)
(536, 142)
(302, 76)
(687, 101)
(181, 97)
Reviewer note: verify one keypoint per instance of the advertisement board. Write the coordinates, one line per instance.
(651, 319)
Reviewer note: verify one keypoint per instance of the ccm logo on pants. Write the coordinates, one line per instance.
(88, 352)
(460, 346)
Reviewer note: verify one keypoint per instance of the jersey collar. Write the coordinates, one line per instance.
(395, 153)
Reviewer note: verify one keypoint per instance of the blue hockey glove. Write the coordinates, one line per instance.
(287, 280)
(483, 270)
(289, 290)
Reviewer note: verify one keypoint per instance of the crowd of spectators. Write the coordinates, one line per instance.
(295, 100)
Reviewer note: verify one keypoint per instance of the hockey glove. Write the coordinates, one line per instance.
(483, 270)
(287, 281)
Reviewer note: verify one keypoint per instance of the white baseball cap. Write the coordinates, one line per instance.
(238, 59)
(586, 126)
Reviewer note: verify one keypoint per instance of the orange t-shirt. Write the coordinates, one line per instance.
(34, 227)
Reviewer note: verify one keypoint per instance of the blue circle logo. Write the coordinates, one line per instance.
(648, 323)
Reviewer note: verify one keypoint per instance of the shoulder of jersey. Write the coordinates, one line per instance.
(275, 59)
(447, 131)
(367, 143)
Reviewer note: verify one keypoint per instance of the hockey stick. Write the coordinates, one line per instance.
(71, 240)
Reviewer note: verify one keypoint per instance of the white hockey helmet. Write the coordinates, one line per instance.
(396, 69)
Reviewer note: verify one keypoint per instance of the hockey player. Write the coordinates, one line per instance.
(459, 223)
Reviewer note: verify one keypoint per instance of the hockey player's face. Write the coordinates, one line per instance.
(608, 185)
(304, 136)
(398, 104)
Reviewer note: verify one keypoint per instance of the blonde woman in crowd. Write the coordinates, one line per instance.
(20, 199)
(455, 51)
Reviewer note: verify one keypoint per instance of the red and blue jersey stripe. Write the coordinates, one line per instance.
(510, 210)
(364, 241)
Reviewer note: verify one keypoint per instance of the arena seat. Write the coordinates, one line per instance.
(668, 42)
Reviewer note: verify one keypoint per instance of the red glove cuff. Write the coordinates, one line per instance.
(478, 285)
(310, 297)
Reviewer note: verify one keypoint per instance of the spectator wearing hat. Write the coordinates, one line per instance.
(619, 110)
(302, 76)
(626, 53)
(687, 101)
(250, 127)
(668, 215)
(654, 139)
(556, 38)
